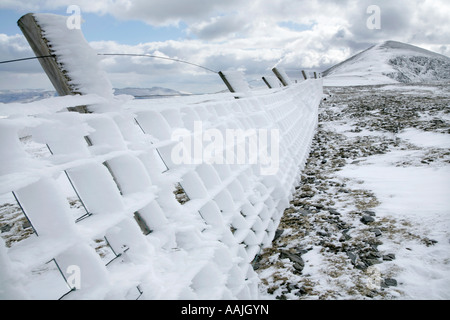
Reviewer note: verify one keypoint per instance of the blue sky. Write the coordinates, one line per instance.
(247, 35)
(104, 27)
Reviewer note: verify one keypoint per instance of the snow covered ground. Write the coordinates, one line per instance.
(381, 152)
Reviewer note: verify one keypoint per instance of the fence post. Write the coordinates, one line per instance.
(227, 83)
(280, 77)
(58, 77)
(304, 75)
(266, 82)
(234, 81)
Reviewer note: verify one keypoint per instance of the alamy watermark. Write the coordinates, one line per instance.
(73, 278)
(230, 146)
(74, 20)
(374, 20)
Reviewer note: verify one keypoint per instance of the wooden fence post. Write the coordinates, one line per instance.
(227, 83)
(280, 77)
(266, 82)
(234, 81)
(58, 77)
(304, 75)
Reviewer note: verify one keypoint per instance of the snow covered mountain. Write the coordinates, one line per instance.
(30, 95)
(390, 62)
(148, 93)
(25, 95)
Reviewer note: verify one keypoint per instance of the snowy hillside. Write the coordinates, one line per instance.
(390, 62)
(147, 93)
(26, 95)
(30, 95)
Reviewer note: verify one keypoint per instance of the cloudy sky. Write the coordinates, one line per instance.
(247, 35)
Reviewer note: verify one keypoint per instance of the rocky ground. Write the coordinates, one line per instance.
(327, 245)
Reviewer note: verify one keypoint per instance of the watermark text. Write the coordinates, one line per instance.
(74, 20)
(374, 20)
(230, 146)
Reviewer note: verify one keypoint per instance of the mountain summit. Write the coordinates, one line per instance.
(390, 62)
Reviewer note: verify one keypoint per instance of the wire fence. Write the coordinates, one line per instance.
(117, 54)
(148, 226)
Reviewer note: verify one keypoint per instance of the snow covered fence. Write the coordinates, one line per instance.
(116, 216)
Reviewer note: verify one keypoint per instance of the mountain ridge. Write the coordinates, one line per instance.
(390, 62)
(30, 95)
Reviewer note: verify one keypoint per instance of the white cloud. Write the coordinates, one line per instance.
(252, 34)
(14, 47)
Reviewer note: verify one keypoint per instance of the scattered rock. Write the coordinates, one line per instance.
(429, 242)
(308, 194)
(360, 265)
(278, 234)
(373, 255)
(388, 282)
(298, 265)
(304, 213)
(353, 257)
(377, 232)
(323, 234)
(5, 228)
(389, 257)
(334, 212)
(367, 219)
(344, 237)
(293, 257)
(371, 262)
(301, 291)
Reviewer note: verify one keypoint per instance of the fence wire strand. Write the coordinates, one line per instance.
(118, 54)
